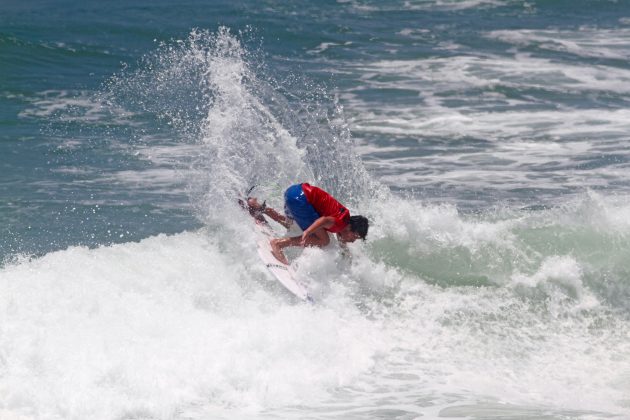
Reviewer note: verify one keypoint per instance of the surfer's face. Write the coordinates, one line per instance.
(347, 235)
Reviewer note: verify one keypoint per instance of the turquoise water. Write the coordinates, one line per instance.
(486, 140)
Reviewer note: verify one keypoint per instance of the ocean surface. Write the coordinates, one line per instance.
(488, 142)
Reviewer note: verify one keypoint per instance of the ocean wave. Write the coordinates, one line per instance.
(438, 308)
(586, 236)
(113, 331)
(133, 322)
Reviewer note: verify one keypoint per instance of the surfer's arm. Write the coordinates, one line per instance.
(323, 222)
(252, 203)
(283, 220)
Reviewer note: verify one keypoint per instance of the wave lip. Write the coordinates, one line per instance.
(574, 251)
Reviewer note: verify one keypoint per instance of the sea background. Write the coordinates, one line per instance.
(486, 141)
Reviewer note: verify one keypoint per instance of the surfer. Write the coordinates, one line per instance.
(317, 213)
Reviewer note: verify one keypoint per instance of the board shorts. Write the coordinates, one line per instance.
(297, 207)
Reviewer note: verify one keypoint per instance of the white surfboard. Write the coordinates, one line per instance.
(285, 274)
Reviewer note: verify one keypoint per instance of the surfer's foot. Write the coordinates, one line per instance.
(252, 203)
(255, 209)
(277, 251)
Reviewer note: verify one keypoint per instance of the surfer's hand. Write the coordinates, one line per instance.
(303, 240)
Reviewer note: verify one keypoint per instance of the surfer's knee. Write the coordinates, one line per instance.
(276, 243)
(320, 238)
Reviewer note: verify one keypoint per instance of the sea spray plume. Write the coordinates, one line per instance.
(260, 129)
(198, 89)
(244, 123)
(242, 142)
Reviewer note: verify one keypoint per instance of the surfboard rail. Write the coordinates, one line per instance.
(284, 273)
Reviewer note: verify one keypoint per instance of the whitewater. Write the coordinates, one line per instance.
(192, 326)
(453, 308)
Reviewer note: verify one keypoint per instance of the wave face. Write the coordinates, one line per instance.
(440, 314)
(489, 158)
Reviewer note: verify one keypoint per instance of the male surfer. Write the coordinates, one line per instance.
(317, 213)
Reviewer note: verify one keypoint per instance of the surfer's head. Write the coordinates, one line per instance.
(359, 225)
(356, 229)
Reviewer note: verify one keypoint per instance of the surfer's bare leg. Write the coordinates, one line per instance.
(280, 218)
(318, 238)
(273, 214)
(277, 245)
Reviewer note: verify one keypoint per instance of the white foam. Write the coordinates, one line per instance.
(193, 324)
(451, 4)
(411, 32)
(427, 227)
(434, 76)
(562, 269)
(542, 355)
(163, 326)
(447, 5)
(523, 365)
(440, 74)
(523, 133)
(324, 46)
(585, 42)
(465, 4)
(74, 106)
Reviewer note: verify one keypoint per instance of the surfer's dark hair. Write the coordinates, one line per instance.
(359, 225)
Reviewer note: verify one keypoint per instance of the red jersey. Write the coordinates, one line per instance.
(325, 205)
